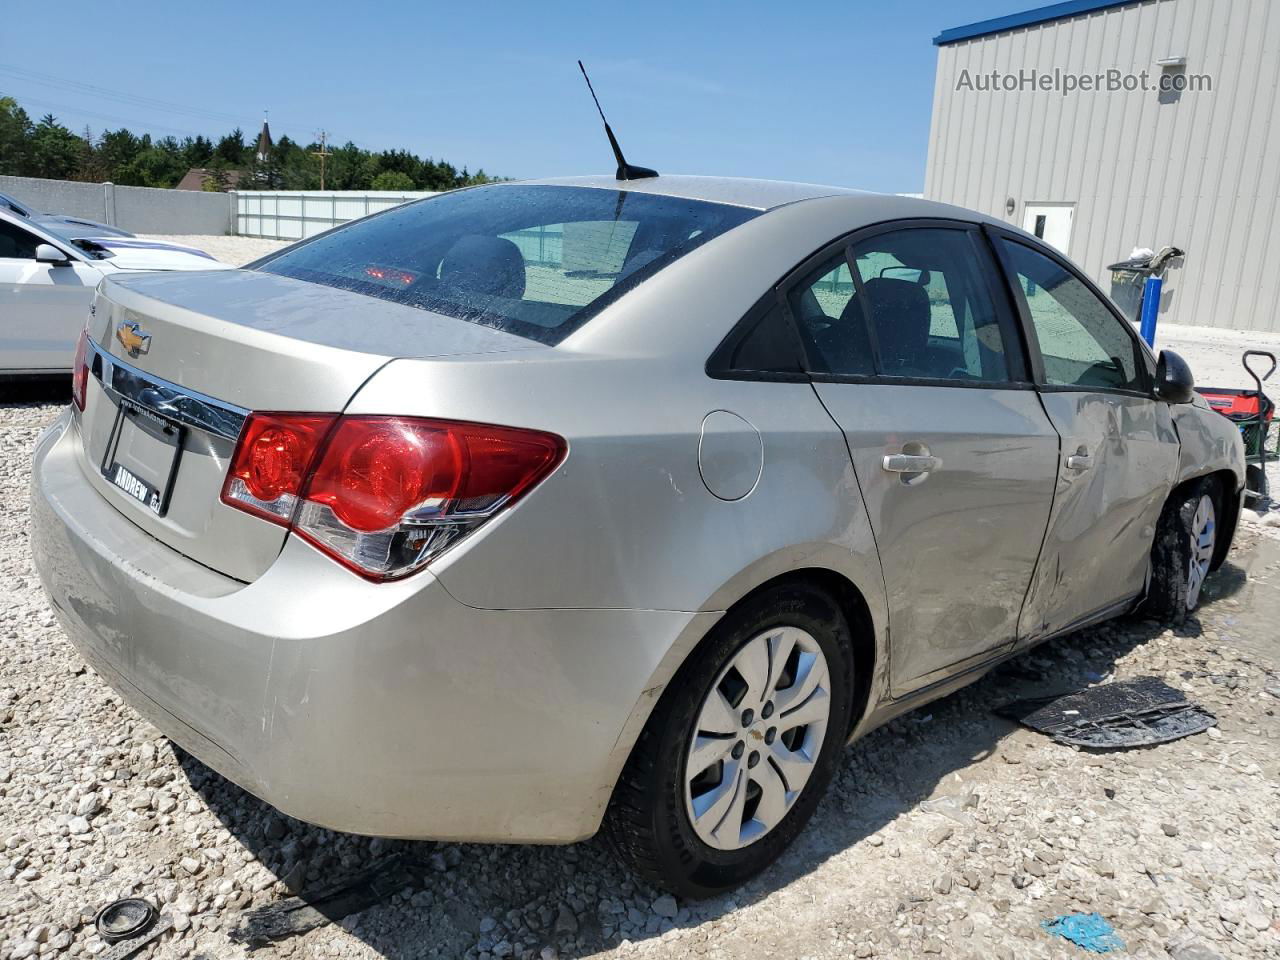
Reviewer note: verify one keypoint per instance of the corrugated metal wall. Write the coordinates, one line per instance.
(1201, 172)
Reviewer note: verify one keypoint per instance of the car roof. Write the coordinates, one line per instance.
(767, 195)
(738, 191)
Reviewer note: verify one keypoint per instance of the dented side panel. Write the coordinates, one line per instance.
(1119, 459)
(1210, 443)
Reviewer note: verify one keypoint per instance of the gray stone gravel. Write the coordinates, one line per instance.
(1178, 846)
(234, 250)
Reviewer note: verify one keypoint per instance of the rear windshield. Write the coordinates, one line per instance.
(536, 261)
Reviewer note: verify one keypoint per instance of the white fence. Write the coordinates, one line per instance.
(295, 214)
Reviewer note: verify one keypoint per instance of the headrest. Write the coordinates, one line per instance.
(900, 312)
(489, 266)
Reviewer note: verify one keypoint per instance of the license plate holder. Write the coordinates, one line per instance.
(149, 484)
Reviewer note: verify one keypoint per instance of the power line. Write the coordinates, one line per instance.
(78, 111)
(132, 99)
(109, 117)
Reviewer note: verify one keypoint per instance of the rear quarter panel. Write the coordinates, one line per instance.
(627, 521)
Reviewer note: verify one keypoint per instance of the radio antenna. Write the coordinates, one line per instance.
(626, 171)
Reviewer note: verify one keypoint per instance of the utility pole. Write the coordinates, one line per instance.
(321, 153)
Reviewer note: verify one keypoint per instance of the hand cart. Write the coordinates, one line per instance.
(1254, 413)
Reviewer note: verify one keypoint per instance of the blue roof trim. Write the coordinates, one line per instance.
(1056, 11)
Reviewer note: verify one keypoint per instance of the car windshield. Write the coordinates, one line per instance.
(13, 206)
(74, 235)
(536, 261)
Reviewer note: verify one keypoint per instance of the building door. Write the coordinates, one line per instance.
(1051, 222)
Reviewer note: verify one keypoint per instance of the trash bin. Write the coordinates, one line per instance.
(1136, 284)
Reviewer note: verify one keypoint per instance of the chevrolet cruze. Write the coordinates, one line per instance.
(534, 508)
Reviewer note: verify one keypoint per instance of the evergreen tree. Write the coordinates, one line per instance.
(55, 149)
(392, 180)
(49, 149)
(231, 148)
(15, 138)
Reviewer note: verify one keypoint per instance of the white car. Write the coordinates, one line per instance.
(47, 281)
(60, 224)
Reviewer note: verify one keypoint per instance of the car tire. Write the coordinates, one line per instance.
(1183, 552)
(651, 822)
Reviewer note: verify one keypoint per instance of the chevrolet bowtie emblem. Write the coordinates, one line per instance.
(132, 338)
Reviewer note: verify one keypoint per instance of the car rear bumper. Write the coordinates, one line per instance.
(387, 709)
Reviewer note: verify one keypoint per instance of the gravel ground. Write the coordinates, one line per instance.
(1214, 354)
(233, 250)
(1177, 845)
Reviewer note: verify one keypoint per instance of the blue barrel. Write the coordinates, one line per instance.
(1150, 309)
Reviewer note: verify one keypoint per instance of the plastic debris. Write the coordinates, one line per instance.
(129, 925)
(122, 919)
(1086, 930)
(1192, 949)
(954, 807)
(1113, 716)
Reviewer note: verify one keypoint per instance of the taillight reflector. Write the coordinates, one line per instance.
(80, 372)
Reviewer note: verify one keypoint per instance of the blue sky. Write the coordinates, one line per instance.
(827, 92)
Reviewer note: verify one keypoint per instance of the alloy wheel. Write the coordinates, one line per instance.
(757, 738)
(1203, 537)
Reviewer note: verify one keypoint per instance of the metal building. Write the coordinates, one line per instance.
(1105, 125)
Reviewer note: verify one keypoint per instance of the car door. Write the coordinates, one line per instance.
(42, 305)
(1119, 446)
(912, 348)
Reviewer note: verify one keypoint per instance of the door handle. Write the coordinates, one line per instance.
(911, 463)
(1080, 461)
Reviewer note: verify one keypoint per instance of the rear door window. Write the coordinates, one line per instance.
(828, 315)
(767, 346)
(537, 261)
(917, 304)
(926, 295)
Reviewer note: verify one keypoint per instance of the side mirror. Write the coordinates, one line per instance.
(48, 253)
(1174, 382)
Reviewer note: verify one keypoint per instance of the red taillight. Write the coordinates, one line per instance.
(271, 461)
(383, 495)
(376, 470)
(80, 372)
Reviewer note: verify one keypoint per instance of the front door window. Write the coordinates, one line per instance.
(16, 243)
(1082, 342)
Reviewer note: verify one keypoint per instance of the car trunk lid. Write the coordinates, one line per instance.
(181, 359)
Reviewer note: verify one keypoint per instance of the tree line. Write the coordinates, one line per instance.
(46, 148)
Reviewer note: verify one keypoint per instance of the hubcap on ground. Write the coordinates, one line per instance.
(1203, 535)
(757, 737)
